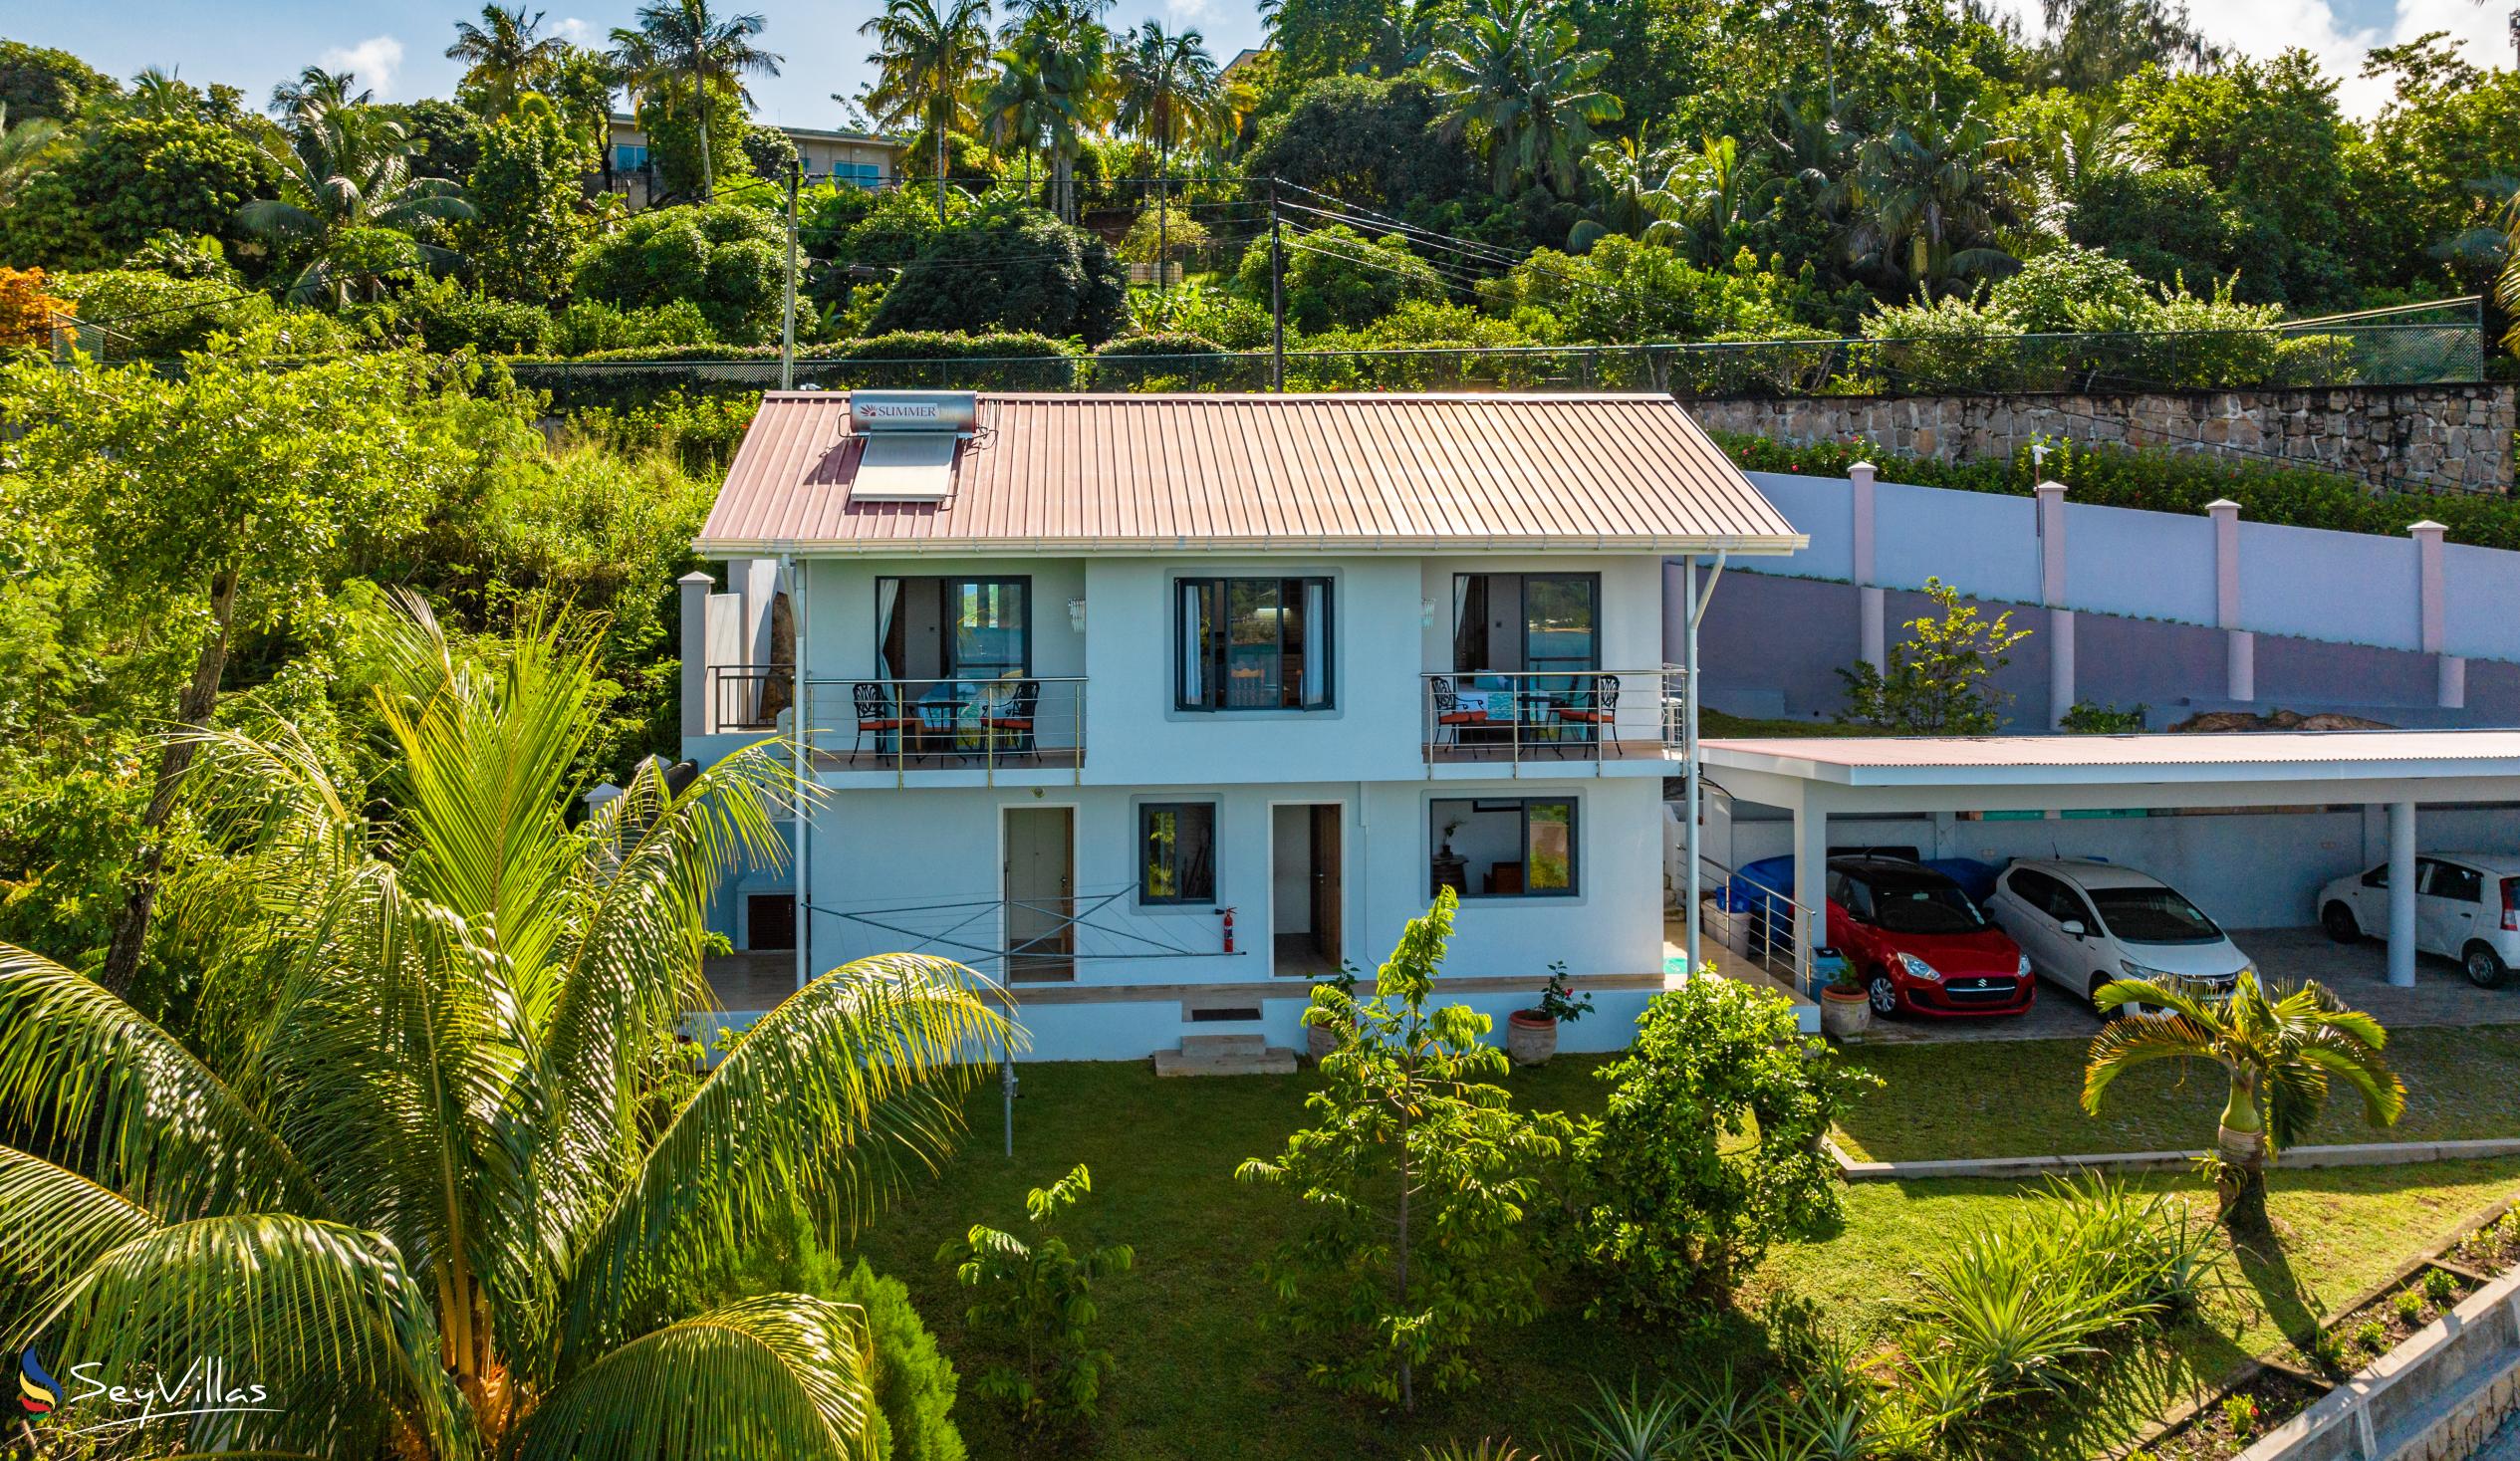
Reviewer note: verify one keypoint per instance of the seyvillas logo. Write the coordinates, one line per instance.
(37, 1392)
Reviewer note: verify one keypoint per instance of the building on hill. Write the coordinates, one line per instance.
(857, 159)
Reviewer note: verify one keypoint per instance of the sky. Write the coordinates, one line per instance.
(397, 46)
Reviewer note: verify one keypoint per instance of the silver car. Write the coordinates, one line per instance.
(2084, 925)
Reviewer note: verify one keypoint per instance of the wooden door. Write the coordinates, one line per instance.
(1040, 889)
(1326, 885)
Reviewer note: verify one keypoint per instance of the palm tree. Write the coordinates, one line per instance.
(22, 149)
(1928, 195)
(1166, 83)
(1513, 81)
(504, 58)
(435, 1175)
(2088, 137)
(677, 39)
(316, 88)
(1065, 42)
(1709, 197)
(1016, 110)
(2280, 1054)
(163, 95)
(350, 204)
(928, 60)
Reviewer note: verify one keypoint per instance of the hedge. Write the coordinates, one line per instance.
(2164, 481)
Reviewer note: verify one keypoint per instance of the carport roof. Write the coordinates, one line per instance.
(2132, 759)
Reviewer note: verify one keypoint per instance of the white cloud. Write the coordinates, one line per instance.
(2266, 28)
(575, 31)
(374, 61)
(1187, 9)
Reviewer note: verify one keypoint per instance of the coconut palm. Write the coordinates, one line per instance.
(348, 204)
(1708, 197)
(435, 1175)
(2280, 1054)
(316, 89)
(677, 40)
(1065, 42)
(1928, 195)
(22, 149)
(930, 58)
(1166, 83)
(1514, 82)
(1015, 111)
(505, 56)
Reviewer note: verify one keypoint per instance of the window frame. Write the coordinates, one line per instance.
(1522, 805)
(1461, 580)
(1214, 650)
(1147, 813)
(944, 586)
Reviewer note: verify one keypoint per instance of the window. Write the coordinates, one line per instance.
(2458, 884)
(857, 175)
(2153, 915)
(629, 156)
(1924, 903)
(770, 922)
(1176, 857)
(1539, 622)
(1503, 847)
(953, 628)
(1252, 644)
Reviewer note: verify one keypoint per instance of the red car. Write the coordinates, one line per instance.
(1919, 946)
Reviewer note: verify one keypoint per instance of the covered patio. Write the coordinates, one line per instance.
(2392, 776)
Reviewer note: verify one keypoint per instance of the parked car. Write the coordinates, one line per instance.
(1921, 944)
(2468, 908)
(2085, 924)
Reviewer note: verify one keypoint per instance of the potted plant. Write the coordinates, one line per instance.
(1320, 1039)
(1843, 1008)
(1531, 1036)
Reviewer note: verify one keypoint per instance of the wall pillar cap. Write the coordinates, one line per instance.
(697, 576)
(2222, 504)
(1867, 468)
(2049, 486)
(2427, 528)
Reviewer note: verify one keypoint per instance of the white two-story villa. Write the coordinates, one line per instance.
(1160, 708)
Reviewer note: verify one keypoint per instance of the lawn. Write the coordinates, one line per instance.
(1200, 1376)
(2008, 1098)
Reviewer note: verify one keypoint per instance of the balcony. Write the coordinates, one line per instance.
(1010, 723)
(1549, 721)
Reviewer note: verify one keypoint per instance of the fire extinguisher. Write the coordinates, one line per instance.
(1230, 928)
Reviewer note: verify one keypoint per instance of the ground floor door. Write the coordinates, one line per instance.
(1306, 902)
(1040, 893)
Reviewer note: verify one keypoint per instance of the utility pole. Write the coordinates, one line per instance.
(1277, 296)
(787, 321)
(701, 93)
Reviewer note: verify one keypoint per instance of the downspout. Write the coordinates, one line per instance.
(1695, 605)
(801, 757)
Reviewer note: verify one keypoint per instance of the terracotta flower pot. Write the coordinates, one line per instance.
(1319, 1041)
(1844, 1012)
(1530, 1039)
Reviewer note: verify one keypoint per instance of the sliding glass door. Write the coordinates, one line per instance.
(1545, 623)
(975, 628)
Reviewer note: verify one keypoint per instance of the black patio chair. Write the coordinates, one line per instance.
(879, 716)
(1014, 720)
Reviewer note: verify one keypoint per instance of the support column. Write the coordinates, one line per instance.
(1811, 882)
(2051, 522)
(2451, 670)
(2240, 673)
(1873, 629)
(694, 589)
(2401, 894)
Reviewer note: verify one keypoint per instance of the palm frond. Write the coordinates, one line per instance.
(2140, 1039)
(324, 1316)
(56, 1222)
(93, 1082)
(823, 1102)
(784, 1374)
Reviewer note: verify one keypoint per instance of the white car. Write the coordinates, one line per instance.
(2084, 925)
(2468, 908)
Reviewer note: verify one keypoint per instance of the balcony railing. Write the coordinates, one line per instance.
(1548, 717)
(1008, 723)
(749, 697)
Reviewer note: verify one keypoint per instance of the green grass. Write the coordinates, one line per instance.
(1715, 724)
(1200, 1376)
(2005, 1098)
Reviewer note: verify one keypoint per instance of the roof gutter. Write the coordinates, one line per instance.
(1763, 545)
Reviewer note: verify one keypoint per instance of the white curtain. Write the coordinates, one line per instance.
(1316, 640)
(1193, 646)
(888, 592)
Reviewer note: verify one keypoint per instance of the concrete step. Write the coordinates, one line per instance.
(1222, 1047)
(1267, 1060)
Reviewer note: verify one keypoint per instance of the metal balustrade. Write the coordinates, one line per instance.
(1547, 718)
(1010, 722)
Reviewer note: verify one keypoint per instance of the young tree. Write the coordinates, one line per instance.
(524, 229)
(2280, 1055)
(1419, 1181)
(1031, 1305)
(1709, 1148)
(1939, 682)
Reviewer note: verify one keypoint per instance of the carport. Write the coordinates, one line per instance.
(2396, 774)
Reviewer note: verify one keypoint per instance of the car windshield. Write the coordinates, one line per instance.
(2152, 915)
(1923, 905)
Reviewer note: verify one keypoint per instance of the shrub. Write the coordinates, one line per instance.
(914, 1381)
(1162, 362)
(1708, 1149)
(2091, 718)
(448, 316)
(2438, 1288)
(1017, 270)
(2239, 1412)
(700, 433)
(2372, 1335)
(157, 315)
(2409, 1305)
(27, 311)
(1939, 680)
(1338, 279)
(1032, 1309)
(589, 326)
(727, 259)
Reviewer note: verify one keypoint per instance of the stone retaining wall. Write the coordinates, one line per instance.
(2442, 437)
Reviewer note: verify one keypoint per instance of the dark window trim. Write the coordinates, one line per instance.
(1145, 834)
(946, 642)
(1460, 580)
(1522, 806)
(1213, 653)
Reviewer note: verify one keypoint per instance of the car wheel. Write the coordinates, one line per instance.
(2484, 968)
(1883, 994)
(2113, 1012)
(2340, 923)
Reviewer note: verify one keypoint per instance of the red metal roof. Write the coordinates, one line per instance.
(1170, 472)
(1863, 758)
